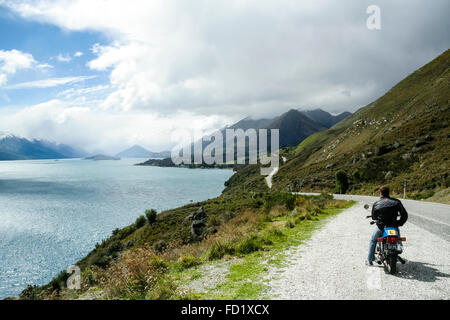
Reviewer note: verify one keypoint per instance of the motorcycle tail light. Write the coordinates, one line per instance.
(403, 238)
(392, 239)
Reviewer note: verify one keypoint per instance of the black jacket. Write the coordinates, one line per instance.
(386, 210)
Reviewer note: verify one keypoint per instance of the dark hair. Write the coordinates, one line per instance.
(384, 190)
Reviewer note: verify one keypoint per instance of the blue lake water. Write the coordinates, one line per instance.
(52, 213)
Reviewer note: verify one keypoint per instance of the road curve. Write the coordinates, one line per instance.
(331, 264)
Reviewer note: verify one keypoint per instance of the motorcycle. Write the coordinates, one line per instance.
(389, 247)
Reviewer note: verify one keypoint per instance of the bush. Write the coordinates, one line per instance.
(219, 249)
(280, 198)
(248, 245)
(140, 222)
(186, 262)
(158, 263)
(160, 246)
(151, 215)
(341, 182)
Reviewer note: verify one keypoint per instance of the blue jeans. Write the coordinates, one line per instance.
(377, 233)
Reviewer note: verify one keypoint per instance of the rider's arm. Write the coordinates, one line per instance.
(374, 213)
(403, 214)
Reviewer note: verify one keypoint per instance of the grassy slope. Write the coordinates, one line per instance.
(151, 261)
(415, 109)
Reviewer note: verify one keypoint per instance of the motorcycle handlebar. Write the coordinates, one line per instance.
(372, 222)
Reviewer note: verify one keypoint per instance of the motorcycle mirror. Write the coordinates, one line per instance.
(366, 206)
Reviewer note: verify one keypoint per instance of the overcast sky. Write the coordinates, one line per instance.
(109, 74)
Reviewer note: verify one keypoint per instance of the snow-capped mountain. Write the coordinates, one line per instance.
(14, 147)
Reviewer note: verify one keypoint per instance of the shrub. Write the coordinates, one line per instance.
(115, 247)
(290, 224)
(248, 245)
(158, 263)
(281, 198)
(187, 261)
(151, 215)
(140, 222)
(219, 249)
(160, 246)
(341, 182)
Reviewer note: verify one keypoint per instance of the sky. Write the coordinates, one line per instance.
(105, 75)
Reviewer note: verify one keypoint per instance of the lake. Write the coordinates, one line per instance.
(53, 212)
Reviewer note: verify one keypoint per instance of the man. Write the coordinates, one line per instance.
(385, 212)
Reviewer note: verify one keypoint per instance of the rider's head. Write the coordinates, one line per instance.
(384, 191)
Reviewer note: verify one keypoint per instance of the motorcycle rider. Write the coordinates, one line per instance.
(385, 212)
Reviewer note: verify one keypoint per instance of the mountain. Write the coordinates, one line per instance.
(134, 152)
(294, 127)
(403, 135)
(324, 118)
(17, 148)
(99, 157)
(137, 151)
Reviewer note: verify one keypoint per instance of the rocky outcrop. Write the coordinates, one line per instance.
(198, 224)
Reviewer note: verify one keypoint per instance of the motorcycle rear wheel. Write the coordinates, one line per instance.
(392, 263)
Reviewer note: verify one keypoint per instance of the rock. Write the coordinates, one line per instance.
(406, 156)
(380, 150)
(396, 145)
(389, 175)
(419, 142)
(197, 215)
(197, 227)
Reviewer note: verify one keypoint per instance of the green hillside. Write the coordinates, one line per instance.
(402, 135)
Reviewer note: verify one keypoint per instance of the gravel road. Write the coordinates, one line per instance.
(331, 264)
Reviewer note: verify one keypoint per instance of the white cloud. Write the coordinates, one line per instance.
(78, 54)
(63, 58)
(44, 66)
(249, 57)
(174, 65)
(81, 92)
(92, 129)
(13, 60)
(46, 83)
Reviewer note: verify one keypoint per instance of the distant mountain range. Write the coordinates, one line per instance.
(294, 125)
(13, 147)
(137, 151)
(99, 157)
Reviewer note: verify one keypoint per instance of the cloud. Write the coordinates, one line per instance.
(250, 57)
(44, 66)
(63, 58)
(46, 83)
(13, 60)
(91, 128)
(82, 92)
(78, 54)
